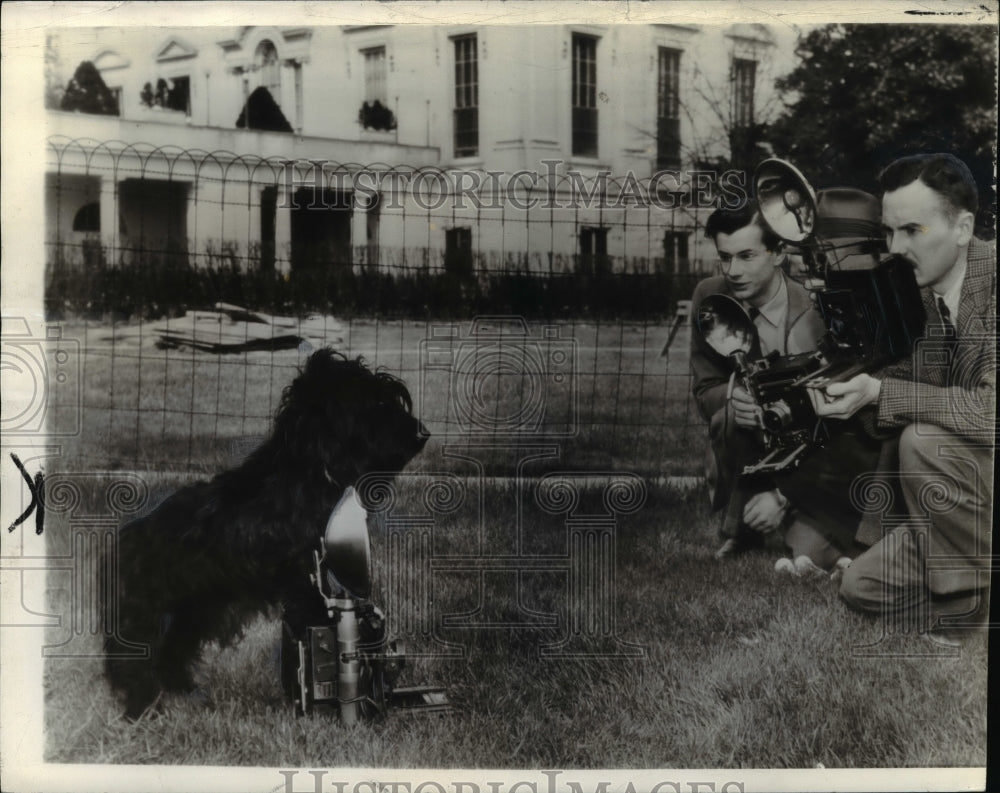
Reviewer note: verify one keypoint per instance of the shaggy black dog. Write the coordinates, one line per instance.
(217, 553)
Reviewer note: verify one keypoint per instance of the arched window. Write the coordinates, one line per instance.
(266, 59)
(88, 218)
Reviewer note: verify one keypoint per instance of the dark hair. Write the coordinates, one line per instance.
(726, 221)
(945, 174)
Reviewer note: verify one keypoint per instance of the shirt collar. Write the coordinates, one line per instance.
(954, 294)
(774, 309)
(955, 290)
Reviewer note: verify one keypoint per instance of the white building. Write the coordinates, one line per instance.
(556, 105)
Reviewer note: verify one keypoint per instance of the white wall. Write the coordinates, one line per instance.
(524, 118)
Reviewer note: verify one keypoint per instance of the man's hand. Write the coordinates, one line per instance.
(765, 511)
(747, 411)
(843, 400)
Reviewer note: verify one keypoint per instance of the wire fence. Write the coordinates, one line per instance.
(186, 287)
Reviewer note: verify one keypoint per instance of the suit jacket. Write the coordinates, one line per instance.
(711, 371)
(951, 386)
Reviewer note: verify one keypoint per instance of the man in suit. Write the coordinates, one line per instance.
(940, 403)
(788, 323)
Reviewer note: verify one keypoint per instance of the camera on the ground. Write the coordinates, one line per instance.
(870, 304)
(337, 655)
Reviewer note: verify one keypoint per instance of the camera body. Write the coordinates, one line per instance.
(336, 653)
(312, 672)
(778, 384)
(872, 317)
(338, 659)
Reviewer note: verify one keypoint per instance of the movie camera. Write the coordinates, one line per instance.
(871, 309)
(336, 654)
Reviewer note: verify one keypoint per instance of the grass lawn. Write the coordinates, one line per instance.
(682, 662)
(602, 392)
(566, 635)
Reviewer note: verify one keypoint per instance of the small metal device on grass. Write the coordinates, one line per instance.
(336, 655)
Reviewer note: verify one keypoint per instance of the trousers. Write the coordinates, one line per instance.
(938, 554)
(824, 519)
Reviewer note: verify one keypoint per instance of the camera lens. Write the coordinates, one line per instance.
(777, 416)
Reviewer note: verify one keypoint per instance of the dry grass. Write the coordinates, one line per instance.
(705, 664)
(620, 405)
(737, 669)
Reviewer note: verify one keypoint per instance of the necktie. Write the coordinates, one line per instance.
(754, 312)
(949, 327)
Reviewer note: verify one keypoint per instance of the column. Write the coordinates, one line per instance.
(283, 232)
(110, 237)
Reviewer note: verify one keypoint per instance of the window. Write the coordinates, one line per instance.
(675, 252)
(116, 95)
(668, 109)
(375, 112)
(466, 113)
(172, 94)
(268, 223)
(88, 218)
(372, 216)
(744, 78)
(155, 212)
(266, 60)
(179, 97)
(375, 90)
(584, 95)
(320, 226)
(593, 250)
(458, 251)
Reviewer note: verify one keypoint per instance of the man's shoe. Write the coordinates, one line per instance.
(806, 568)
(727, 550)
(838, 570)
(785, 566)
(942, 639)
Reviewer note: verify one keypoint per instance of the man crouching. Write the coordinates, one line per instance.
(938, 406)
(810, 507)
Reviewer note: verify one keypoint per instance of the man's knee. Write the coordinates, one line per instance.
(918, 448)
(930, 454)
(876, 579)
(855, 588)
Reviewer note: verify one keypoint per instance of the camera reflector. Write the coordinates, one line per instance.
(346, 545)
(787, 202)
(724, 324)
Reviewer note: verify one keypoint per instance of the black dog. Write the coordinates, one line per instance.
(217, 553)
